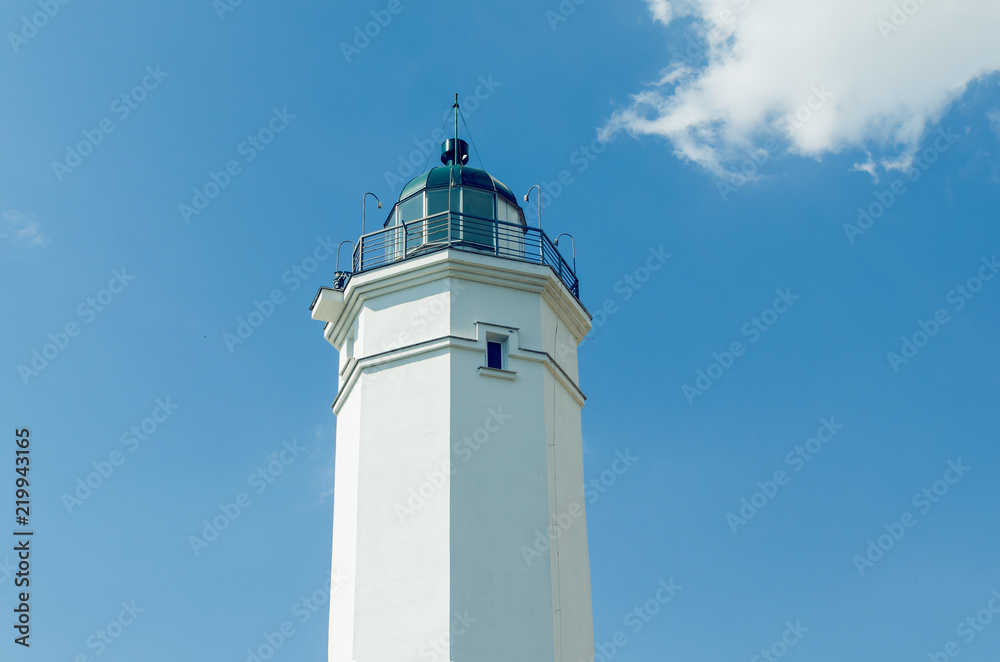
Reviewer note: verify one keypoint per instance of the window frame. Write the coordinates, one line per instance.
(499, 352)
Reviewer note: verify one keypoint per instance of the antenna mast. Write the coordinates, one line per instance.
(456, 128)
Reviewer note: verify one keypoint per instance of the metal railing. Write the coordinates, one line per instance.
(457, 231)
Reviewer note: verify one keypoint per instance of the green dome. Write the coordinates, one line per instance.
(459, 176)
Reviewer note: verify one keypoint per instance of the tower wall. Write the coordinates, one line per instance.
(569, 556)
(447, 472)
(499, 496)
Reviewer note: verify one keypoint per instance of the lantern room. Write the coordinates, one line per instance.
(457, 205)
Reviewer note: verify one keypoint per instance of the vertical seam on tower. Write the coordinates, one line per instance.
(555, 491)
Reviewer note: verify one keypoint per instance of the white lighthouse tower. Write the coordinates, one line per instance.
(459, 525)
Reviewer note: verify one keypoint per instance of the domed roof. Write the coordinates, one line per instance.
(459, 176)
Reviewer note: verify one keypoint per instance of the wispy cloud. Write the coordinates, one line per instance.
(993, 115)
(661, 11)
(868, 166)
(16, 227)
(751, 67)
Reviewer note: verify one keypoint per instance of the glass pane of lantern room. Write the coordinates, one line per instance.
(511, 236)
(456, 210)
(410, 211)
(479, 204)
(437, 219)
(394, 239)
(511, 213)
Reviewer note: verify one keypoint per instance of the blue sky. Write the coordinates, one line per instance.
(744, 138)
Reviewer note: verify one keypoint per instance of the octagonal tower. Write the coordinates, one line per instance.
(459, 521)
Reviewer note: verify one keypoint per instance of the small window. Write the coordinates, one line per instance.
(494, 354)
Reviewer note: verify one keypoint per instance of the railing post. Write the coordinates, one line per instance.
(401, 255)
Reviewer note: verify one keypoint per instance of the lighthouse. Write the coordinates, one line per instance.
(459, 528)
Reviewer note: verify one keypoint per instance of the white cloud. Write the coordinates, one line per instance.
(868, 166)
(820, 76)
(660, 10)
(22, 228)
(993, 115)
